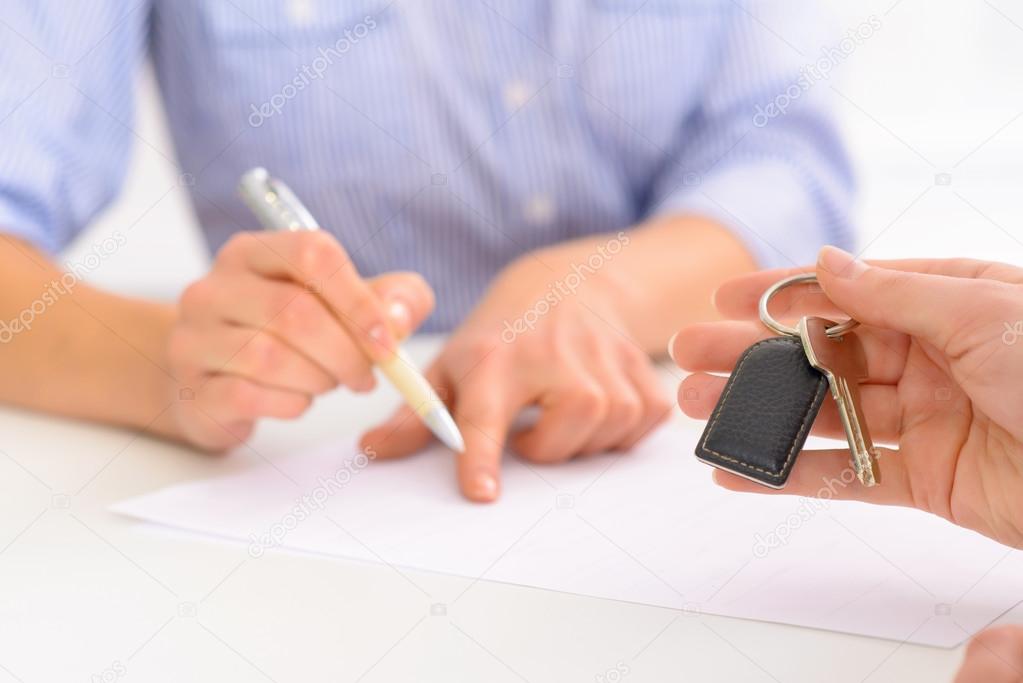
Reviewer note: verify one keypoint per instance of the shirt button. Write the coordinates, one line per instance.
(301, 12)
(516, 94)
(539, 210)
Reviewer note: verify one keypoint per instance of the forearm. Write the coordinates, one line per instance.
(68, 348)
(657, 277)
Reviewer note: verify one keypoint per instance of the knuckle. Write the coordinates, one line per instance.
(896, 283)
(479, 406)
(317, 254)
(196, 296)
(477, 347)
(535, 453)
(179, 346)
(364, 307)
(237, 245)
(365, 311)
(480, 414)
(626, 409)
(295, 313)
(636, 359)
(660, 406)
(262, 354)
(590, 401)
(536, 351)
(298, 406)
(241, 396)
(538, 448)
(355, 373)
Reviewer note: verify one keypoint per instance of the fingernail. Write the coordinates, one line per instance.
(483, 486)
(671, 348)
(840, 263)
(400, 315)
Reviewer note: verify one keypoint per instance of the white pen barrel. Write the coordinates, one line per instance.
(400, 370)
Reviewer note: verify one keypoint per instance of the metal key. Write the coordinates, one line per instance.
(842, 361)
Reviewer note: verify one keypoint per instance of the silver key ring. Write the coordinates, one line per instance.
(803, 278)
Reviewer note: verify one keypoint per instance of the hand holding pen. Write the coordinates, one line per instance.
(280, 318)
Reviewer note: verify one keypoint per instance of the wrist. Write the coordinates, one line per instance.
(152, 409)
(585, 271)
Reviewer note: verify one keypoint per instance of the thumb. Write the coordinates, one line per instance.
(407, 297)
(995, 654)
(932, 307)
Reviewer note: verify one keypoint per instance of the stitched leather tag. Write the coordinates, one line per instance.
(764, 414)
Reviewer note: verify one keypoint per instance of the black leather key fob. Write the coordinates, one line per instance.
(764, 414)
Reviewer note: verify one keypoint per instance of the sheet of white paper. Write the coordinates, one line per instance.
(646, 527)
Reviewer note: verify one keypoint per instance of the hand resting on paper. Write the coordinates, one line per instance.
(568, 330)
(596, 390)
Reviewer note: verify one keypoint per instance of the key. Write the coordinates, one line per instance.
(842, 361)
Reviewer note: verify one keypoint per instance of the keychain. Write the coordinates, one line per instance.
(765, 413)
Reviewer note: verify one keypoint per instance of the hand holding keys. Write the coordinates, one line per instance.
(775, 392)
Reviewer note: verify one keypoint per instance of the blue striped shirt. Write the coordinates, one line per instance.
(442, 137)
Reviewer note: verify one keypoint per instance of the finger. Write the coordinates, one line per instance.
(657, 403)
(624, 409)
(571, 411)
(829, 474)
(252, 354)
(740, 297)
(484, 414)
(717, 346)
(316, 261)
(229, 398)
(289, 312)
(995, 655)
(698, 394)
(404, 432)
(202, 429)
(932, 307)
(408, 298)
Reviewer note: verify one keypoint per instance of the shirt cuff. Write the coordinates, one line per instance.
(779, 213)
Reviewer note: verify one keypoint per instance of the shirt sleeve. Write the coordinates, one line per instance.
(761, 154)
(66, 111)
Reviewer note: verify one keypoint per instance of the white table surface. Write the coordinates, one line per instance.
(85, 593)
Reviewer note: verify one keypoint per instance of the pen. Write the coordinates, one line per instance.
(277, 208)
